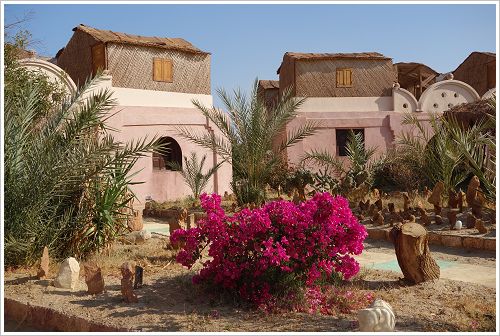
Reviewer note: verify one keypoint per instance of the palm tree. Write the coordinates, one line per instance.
(357, 171)
(192, 172)
(247, 132)
(66, 178)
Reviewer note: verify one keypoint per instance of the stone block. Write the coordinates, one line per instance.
(473, 243)
(434, 238)
(376, 234)
(451, 241)
(490, 244)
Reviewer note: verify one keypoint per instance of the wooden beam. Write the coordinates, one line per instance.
(427, 80)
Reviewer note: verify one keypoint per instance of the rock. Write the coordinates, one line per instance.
(93, 278)
(438, 219)
(43, 270)
(378, 317)
(391, 207)
(458, 225)
(137, 237)
(127, 288)
(139, 271)
(452, 199)
(480, 226)
(69, 273)
(378, 204)
(452, 217)
(406, 201)
(472, 189)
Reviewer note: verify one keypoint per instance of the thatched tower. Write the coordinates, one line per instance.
(368, 74)
(137, 62)
(478, 70)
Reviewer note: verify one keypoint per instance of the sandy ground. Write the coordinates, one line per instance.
(170, 302)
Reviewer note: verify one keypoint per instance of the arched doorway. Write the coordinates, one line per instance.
(172, 153)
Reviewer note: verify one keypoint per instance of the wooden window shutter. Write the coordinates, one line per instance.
(98, 58)
(344, 77)
(162, 70)
(340, 78)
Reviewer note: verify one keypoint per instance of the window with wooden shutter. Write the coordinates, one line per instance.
(162, 70)
(98, 58)
(344, 77)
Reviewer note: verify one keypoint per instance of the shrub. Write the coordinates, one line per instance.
(272, 252)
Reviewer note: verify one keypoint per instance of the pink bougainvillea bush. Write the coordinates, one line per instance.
(263, 253)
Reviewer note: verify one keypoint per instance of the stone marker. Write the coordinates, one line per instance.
(378, 317)
(406, 201)
(378, 218)
(68, 276)
(372, 210)
(477, 204)
(458, 225)
(138, 276)
(43, 270)
(471, 221)
(93, 278)
(435, 198)
(480, 226)
(452, 199)
(438, 219)
(191, 223)
(460, 200)
(452, 217)
(135, 223)
(391, 207)
(127, 270)
(472, 189)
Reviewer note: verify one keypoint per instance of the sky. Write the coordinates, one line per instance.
(248, 41)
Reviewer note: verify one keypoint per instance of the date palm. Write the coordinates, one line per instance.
(248, 128)
(192, 172)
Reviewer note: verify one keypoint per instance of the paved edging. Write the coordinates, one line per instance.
(468, 242)
(49, 319)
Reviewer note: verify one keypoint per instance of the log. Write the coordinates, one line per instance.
(412, 251)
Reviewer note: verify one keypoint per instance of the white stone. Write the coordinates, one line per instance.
(145, 234)
(378, 317)
(69, 273)
(458, 225)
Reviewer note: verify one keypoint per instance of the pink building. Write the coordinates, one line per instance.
(154, 81)
(358, 91)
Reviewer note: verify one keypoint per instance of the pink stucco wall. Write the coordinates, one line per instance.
(380, 117)
(135, 122)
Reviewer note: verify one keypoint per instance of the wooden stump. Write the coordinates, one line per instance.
(412, 250)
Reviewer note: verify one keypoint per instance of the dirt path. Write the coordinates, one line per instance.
(170, 302)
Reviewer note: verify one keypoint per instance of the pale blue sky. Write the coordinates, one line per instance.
(248, 41)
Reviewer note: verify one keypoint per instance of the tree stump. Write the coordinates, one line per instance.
(412, 250)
